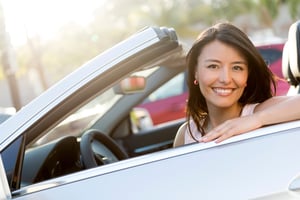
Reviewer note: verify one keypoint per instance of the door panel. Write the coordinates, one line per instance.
(152, 140)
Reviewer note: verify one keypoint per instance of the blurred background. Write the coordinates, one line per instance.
(41, 41)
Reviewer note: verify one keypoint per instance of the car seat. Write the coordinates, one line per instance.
(290, 59)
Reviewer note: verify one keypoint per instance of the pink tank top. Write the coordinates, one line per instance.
(247, 110)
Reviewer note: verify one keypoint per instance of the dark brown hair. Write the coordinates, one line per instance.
(260, 83)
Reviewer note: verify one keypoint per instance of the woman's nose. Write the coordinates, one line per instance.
(225, 76)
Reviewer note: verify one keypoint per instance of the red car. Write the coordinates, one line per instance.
(168, 102)
(273, 57)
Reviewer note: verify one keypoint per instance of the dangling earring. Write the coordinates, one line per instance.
(196, 82)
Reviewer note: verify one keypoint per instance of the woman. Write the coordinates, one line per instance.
(230, 88)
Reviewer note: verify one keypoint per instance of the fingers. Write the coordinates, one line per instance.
(218, 134)
(231, 128)
(222, 132)
(223, 137)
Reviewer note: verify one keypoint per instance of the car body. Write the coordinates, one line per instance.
(81, 140)
(167, 103)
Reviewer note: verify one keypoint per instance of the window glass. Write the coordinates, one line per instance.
(173, 87)
(11, 157)
(82, 118)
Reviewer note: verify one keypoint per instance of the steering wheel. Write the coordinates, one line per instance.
(97, 149)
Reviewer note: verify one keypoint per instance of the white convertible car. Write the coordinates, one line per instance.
(82, 139)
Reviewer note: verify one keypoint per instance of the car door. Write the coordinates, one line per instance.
(245, 167)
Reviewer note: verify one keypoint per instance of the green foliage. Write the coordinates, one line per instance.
(272, 7)
(229, 9)
(294, 8)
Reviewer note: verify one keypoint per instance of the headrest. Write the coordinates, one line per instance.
(294, 49)
(286, 68)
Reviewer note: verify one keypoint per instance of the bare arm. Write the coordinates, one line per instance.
(274, 110)
(278, 109)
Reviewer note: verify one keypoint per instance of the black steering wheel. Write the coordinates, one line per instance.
(97, 149)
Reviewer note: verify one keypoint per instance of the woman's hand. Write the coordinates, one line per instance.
(232, 127)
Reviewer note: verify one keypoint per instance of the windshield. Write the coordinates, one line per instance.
(86, 115)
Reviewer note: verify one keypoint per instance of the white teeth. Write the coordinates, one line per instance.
(222, 91)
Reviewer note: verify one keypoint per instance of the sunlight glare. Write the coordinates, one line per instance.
(44, 17)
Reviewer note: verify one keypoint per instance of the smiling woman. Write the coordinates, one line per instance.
(44, 18)
(230, 93)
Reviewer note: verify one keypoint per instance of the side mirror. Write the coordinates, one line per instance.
(131, 85)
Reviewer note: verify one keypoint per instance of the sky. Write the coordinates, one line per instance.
(44, 17)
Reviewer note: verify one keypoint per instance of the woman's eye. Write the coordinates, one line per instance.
(237, 68)
(212, 66)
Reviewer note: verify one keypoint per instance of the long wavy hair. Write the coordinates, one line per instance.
(260, 83)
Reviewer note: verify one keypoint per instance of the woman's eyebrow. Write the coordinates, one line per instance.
(218, 61)
(212, 60)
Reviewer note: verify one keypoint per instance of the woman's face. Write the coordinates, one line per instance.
(222, 74)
